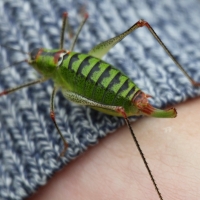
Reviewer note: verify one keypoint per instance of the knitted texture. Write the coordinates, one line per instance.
(29, 142)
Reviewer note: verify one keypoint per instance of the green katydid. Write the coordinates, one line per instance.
(87, 80)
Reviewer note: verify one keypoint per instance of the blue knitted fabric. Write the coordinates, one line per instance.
(29, 142)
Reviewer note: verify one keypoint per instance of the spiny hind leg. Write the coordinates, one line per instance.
(87, 102)
(84, 101)
(77, 99)
(119, 109)
(101, 49)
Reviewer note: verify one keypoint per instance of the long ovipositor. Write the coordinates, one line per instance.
(84, 78)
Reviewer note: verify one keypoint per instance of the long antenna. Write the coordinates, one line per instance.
(14, 63)
(19, 50)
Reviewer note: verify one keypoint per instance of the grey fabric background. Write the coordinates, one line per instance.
(29, 143)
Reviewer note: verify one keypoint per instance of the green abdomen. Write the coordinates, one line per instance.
(96, 80)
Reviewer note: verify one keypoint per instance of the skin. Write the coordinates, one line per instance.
(114, 170)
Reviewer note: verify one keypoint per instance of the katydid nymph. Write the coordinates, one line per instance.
(87, 80)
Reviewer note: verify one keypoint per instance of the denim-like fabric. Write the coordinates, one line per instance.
(29, 143)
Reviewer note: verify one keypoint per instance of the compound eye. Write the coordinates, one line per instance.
(34, 54)
(60, 59)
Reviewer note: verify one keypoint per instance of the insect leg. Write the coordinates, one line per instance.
(78, 31)
(121, 110)
(10, 90)
(84, 101)
(62, 34)
(52, 115)
(64, 25)
(142, 23)
(101, 49)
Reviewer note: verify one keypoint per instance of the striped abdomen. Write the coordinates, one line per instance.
(97, 80)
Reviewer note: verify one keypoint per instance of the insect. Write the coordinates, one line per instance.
(87, 80)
